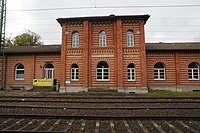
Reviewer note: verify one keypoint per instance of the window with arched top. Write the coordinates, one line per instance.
(48, 71)
(19, 72)
(102, 39)
(74, 72)
(159, 71)
(75, 40)
(130, 38)
(131, 72)
(102, 71)
(193, 71)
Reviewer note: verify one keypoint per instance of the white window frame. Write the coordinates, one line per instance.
(75, 40)
(192, 72)
(158, 70)
(130, 74)
(16, 69)
(74, 75)
(102, 72)
(46, 73)
(130, 39)
(102, 39)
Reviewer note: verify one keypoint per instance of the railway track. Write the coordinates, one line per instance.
(99, 114)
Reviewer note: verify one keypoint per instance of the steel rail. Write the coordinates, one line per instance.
(100, 101)
(47, 116)
(105, 97)
(98, 108)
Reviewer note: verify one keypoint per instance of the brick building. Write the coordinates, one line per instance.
(106, 52)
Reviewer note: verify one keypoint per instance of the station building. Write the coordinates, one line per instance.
(105, 52)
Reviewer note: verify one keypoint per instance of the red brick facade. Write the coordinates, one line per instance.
(117, 54)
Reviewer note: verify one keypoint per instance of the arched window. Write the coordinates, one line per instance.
(102, 39)
(19, 72)
(49, 71)
(102, 71)
(75, 40)
(131, 72)
(74, 72)
(159, 71)
(130, 38)
(193, 71)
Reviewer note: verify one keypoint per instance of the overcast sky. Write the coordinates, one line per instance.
(166, 24)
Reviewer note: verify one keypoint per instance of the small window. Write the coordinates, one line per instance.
(193, 71)
(49, 71)
(102, 71)
(130, 39)
(74, 72)
(102, 39)
(19, 72)
(75, 40)
(159, 71)
(131, 72)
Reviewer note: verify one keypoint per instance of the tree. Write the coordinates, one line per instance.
(28, 38)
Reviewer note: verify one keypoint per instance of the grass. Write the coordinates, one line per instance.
(151, 92)
(171, 93)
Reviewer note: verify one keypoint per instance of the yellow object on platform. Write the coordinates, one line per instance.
(43, 82)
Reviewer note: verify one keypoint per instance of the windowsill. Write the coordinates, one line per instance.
(74, 80)
(19, 79)
(159, 79)
(193, 79)
(131, 80)
(103, 80)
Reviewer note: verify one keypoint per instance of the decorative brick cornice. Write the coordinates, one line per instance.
(74, 51)
(131, 50)
(128, 22)
(102, 23)
(102, 50)
(74, 23)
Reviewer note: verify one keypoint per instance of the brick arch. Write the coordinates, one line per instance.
(193, 60)
(99, 30)
(102, 59)
(75, 30)
(74, 62)
(131, 29)
(130, 62)
(160, 60)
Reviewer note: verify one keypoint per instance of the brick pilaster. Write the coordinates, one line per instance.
(118, 55)
(63, 55)
(143, 55)
(86, 54)
(177, 67)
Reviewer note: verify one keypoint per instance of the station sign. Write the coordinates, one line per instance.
(42, 82)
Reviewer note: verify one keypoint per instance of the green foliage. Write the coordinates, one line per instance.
(171, 93)
(27, 38)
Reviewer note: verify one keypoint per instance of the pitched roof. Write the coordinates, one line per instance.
(33, 49)
(110, 17)
(173, 46)
(57, 48)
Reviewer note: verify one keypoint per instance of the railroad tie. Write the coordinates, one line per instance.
(127, 126)
(173, 127)
(26, 125)
(97, 127)
(19, 121)
(141, 126)
(69, 125)
(82, 128)
(186, 126)
(53, 126)
(112, 127)
(158, 127)
(6, 121)
(41, 124)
